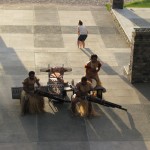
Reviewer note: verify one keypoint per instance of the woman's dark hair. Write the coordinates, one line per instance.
(31, 73)
(94, 56)
(84, 78)
(80, 22)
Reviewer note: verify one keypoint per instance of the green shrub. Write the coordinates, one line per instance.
(139, 4)
(108, 6)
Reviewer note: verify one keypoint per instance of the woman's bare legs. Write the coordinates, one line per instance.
(78, 43)
(83, 44)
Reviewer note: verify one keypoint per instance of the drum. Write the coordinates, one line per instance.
(44, 70)
(82, 108)
(68, 69)
(94, 83)
(68, 88)
(31, 103)
(16, 92)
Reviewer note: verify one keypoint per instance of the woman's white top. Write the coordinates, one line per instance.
(82, 30)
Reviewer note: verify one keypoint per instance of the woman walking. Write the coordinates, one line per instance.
(82, 35)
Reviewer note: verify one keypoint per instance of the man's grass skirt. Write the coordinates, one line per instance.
(31, 103)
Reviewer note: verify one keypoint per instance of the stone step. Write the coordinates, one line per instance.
(126, 72)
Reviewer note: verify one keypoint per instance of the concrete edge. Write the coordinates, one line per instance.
(119, 27)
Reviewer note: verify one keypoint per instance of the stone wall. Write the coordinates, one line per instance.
(117, 4)
(139, 67)
(72, 2)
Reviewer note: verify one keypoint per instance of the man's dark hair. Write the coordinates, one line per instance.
(80, 22)
(84, 78)
(31, 73)
(94, 56)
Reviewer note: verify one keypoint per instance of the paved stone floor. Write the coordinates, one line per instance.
(33, 36)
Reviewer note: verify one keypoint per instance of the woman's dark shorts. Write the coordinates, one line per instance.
(82, 37)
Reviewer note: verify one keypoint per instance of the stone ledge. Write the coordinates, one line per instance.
(120, 28)
(126, 72)
(143, 29)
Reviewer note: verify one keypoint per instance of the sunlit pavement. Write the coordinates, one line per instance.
(33, 36)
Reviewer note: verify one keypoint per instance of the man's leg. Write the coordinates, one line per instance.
(24, 102)
(97, 79)
(89, 108)
(74, 100)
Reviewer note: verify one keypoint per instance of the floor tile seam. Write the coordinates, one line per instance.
(86, 130)
(59, 21)
(43, 25)
(95, 22)
(33, 30)
(122, 141)
(34, 57)
(119, 141)
(76, 142)
(97, 141)
(18, 143)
